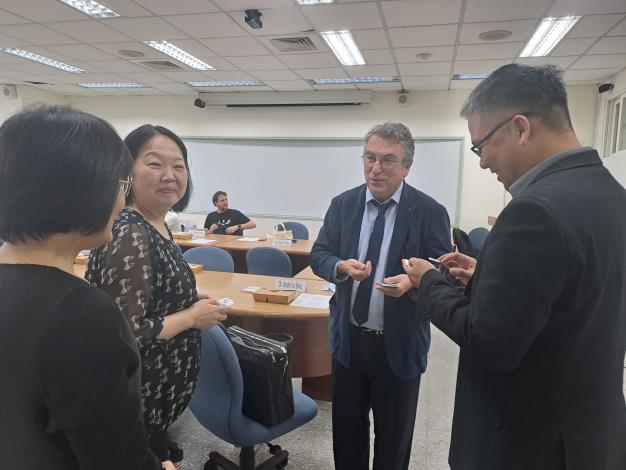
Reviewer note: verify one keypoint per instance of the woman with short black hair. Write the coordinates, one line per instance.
(144, 271)
(70, 372)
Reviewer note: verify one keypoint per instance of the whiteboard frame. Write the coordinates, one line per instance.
(454, 223)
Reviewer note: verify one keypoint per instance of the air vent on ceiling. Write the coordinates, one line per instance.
(296, 44)
(160, 65)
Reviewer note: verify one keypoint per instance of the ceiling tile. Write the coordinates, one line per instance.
(586, 7)
(464, 84)
(309, 60)
(145, 29)
(612, 45)
(619, 30)
(36, 34)
(220, 75)
(236, 46)
(560, 62)
(9, 41)
(521, 30)
(344, 86)
(113, 48)
(489, 51)
(349, 16)
(572, 46)
(146, 77)
(8, 18)
(89, 31)
(372, 70)
(429, 68)
(289, 85)
(81, 52)
(597, 74)
(167, 7)
(377, 57)
(258, 62)
(311, 74)
(478, 66)
(94, 78)
(274, 75)
(600, 61)
(593, 26)
(488, 10)
(210, 25)
(438, 54)
(118, 66)
(234, 5)
(35, 68)
(275, 21)
(220, 63)
(421, 12)
(412, 82)
(387, 86)
(186, 76)
(42, 10)
(175, 88)
(193, 47)
(370, 38)
(417, 36)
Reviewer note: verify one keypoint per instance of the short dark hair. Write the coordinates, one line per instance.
(397, 133)
(217, 195)
(59, 173)
(137, 138)
(520, 88)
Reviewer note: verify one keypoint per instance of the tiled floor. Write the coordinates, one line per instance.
(310, 446)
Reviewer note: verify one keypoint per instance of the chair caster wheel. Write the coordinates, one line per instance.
(210, 466)
(274, 449)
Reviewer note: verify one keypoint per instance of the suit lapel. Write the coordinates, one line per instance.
(353, 220)
(403, 215)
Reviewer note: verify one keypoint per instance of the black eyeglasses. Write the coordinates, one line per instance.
(477, 149)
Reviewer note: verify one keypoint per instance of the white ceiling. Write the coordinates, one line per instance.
(389, 32)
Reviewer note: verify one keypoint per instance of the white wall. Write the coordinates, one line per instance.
(430, 114)
(616, 163)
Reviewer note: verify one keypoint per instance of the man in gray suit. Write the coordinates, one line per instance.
(542, 322)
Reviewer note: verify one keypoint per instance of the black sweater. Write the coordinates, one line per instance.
(69, 372)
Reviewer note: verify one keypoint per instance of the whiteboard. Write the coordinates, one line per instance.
(297, 178)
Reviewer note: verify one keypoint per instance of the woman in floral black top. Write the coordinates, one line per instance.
(144, 271)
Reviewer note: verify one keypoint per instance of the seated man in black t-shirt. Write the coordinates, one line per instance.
(224, 220)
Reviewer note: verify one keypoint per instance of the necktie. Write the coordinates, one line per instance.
(360, 309)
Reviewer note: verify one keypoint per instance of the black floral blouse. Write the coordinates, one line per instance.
(149, 279)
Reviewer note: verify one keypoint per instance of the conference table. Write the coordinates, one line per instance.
(298, 251)
(308, 353)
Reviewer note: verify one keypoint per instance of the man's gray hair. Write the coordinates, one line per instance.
(397, 133)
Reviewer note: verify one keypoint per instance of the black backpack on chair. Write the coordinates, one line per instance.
(463, 243)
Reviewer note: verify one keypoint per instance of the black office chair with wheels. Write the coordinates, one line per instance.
(463, 243)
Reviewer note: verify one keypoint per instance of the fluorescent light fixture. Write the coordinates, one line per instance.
(343, 46)
(470, 76)
(112, 85)
(178, 54)
(91, 8)
(341, 81)
(313, 2)
(547, 35)
(41, 59)
(233, 83)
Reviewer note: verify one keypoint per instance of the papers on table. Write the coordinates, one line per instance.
(249, 239)
(250, 289)
(204, 241)
(311, 301)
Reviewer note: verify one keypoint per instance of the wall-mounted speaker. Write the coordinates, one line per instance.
(9, 92)
(404, 98)
(605, 87)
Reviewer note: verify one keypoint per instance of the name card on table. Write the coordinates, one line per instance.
(291, 284)
(283, 242)
(196, 234)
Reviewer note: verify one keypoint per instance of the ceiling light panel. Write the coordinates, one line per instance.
(41, 59)
(470, 76)
(313, 2)
(91, 8)
(342, 81)
(343, 46)
(227, 83)
(178, 54)
(112, 85)
(547, 35)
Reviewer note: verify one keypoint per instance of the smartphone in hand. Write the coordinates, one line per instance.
(387, 285)
(443, 268)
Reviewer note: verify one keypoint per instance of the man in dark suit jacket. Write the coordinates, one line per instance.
(542, 322)
(378, 340)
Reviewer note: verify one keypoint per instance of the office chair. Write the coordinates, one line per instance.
(268, 261)
(477, 237)
(300, 232)
(216, 404)
(462, 242)
(211, 257)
